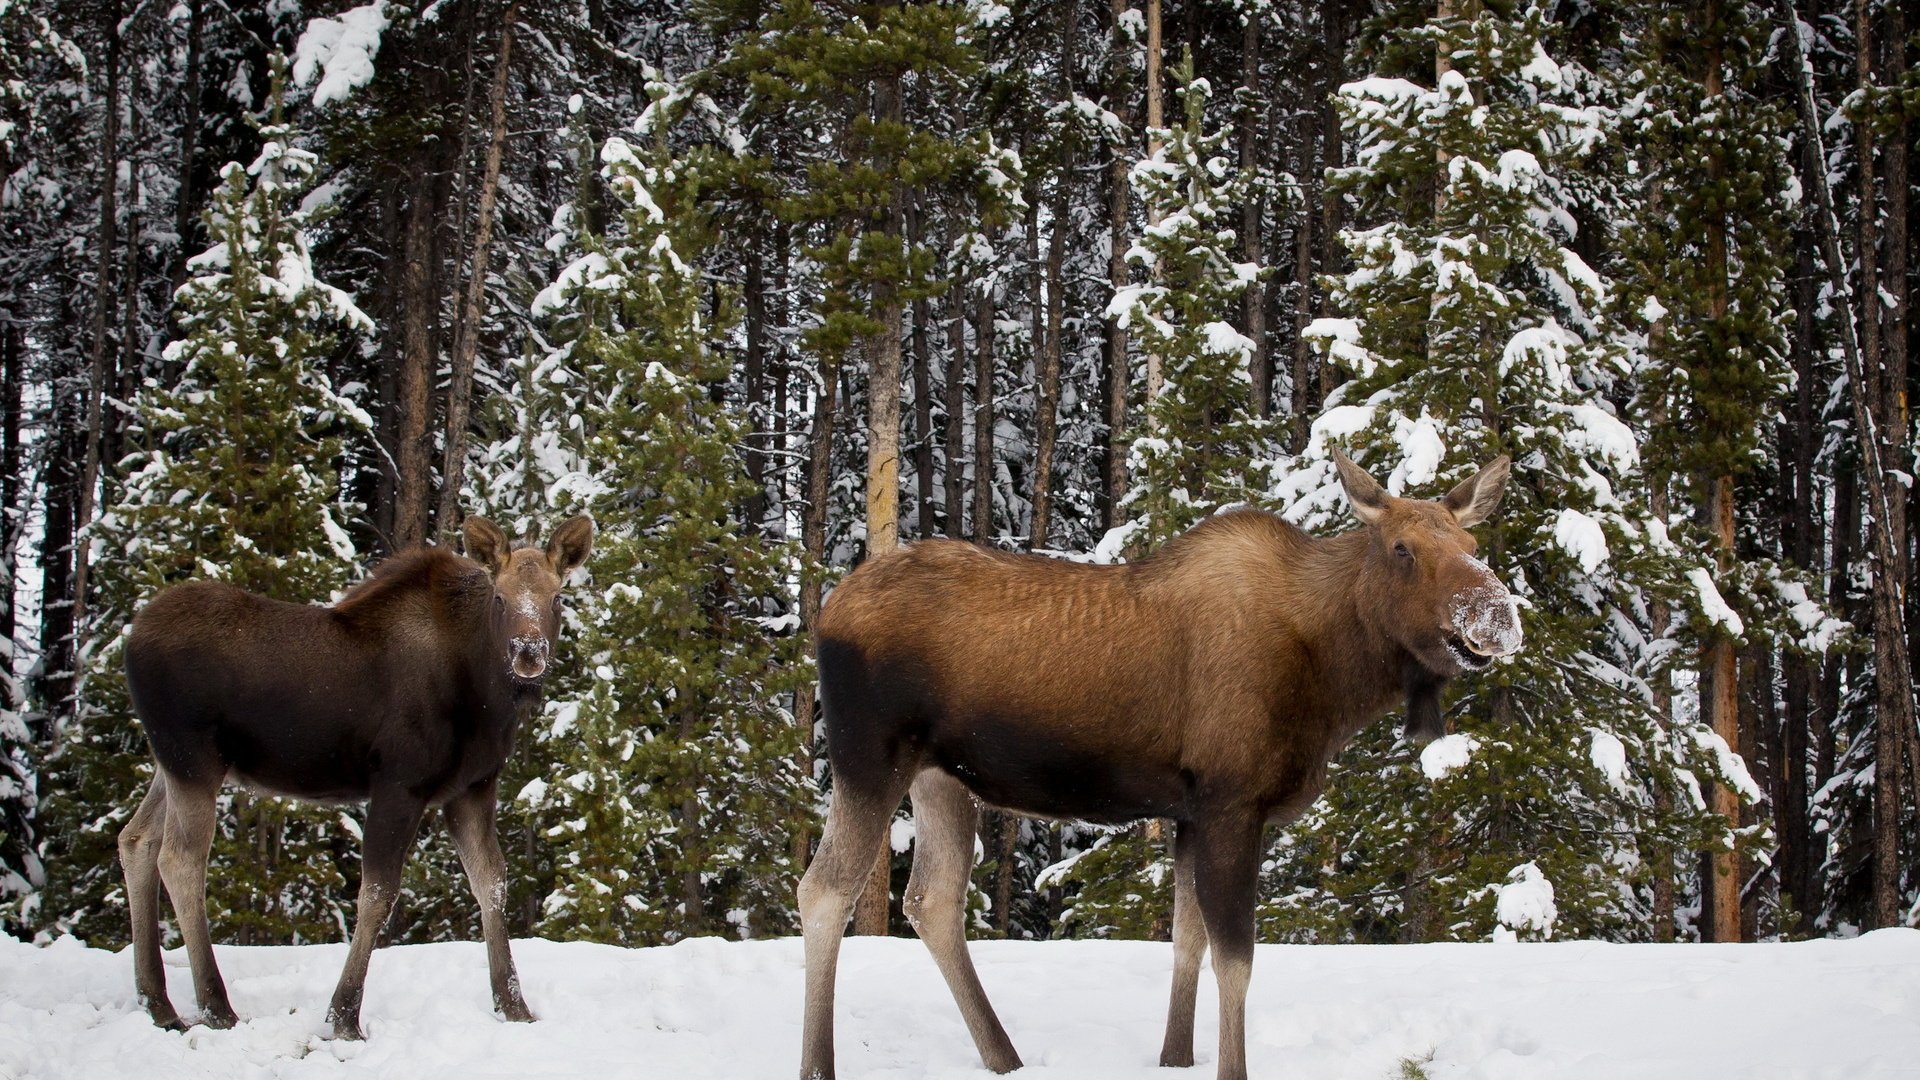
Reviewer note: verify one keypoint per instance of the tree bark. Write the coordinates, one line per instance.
(922, 406)
(102, 314)
(983, 470)
(466, 330)
(1046, 423)
(1156, 122)
(1260, 364)
(883, 454)
(1118, 379)
(1720, 682)
(813, 543)
(413, 383)
(956, 384)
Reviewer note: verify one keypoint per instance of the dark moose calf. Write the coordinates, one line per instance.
(404, 695)
(1209, 685)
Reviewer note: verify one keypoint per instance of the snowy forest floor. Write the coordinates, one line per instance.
(714, 1009)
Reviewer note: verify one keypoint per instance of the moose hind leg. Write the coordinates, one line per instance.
(140, 861)
(184, 848)
(1189, 947)
(393, 818)
(470, 818)
(944, 820)
(856, 825)
(1226, 866)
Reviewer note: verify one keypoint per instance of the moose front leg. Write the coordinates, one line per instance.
(1226, 866)
(1189, 947)
(471, 820)
(393, 819)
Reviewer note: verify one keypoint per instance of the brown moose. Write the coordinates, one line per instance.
(404, 695)
(1209, 684)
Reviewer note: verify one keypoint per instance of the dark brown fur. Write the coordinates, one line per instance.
(1209, 685)
(406, 695)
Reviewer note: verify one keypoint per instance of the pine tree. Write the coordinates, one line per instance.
(679, 782)
(1202, 443)
(1473, 330)
(235, 478)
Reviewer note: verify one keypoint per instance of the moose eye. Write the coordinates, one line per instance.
(499, 602)
(557, 603)
(1400, 549)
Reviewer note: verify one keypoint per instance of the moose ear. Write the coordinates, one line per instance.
(486, 544)
(570, 545)
(1364, 493)
(1474, 499)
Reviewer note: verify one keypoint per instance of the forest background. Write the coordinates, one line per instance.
(768, 286)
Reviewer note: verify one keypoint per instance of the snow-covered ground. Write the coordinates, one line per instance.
(1091, 1010)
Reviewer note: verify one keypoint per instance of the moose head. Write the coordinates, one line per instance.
(1428, 592)
(527, 582)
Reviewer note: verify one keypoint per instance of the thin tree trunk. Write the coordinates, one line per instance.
(1118, 379)
(956, 383)
(1660, 624)
(754, 296)
(12, 352)
(983, 469)
(413, 384)
(102, 313)
(813, 543)
(466, 330)
(185, 198)
(1260, 364)
(883, 462)
(1046, 423)
(1720, 682)
(922, 405)
(1156, 122)
(1800, 541)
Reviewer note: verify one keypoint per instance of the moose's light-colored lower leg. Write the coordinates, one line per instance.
(184, 847)
(393, 818)
(1226, 865)
(856, 825)
(944, 819)
(1189, 947)
(470, 818)
(140, 844)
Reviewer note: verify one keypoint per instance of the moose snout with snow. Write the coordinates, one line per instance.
(1208, 684)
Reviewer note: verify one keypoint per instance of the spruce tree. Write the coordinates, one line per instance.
(1472, 329)
(1200, 444)
(234, 476)
(678, 779)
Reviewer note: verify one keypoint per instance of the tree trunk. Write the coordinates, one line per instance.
(1720, 682)
(1118, 380)
(1800, 539)
(186, 200)
(883, 454)
(413, 384)
(983, 418)
(102, 315)
(1046, 423)
(956, 384)
(1156, 122)
(466, 330)
(813, 543)
(754, 299)
(922, 407)
(12, 352)
(1260, 365)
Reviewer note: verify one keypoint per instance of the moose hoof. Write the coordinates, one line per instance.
(346, 1028)
(1176, 1061)
(167, 1020)
(1003, 1063)
(518, 1014)
(220, 1019)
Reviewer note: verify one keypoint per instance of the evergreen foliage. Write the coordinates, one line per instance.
(1476, 331)
(679, 777)
(234, 477)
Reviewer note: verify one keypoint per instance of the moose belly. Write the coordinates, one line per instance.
(1042, 771)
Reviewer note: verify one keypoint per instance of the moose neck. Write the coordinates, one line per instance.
(1338, 603)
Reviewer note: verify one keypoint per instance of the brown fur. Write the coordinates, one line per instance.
(1210, 685)
(406, 695)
